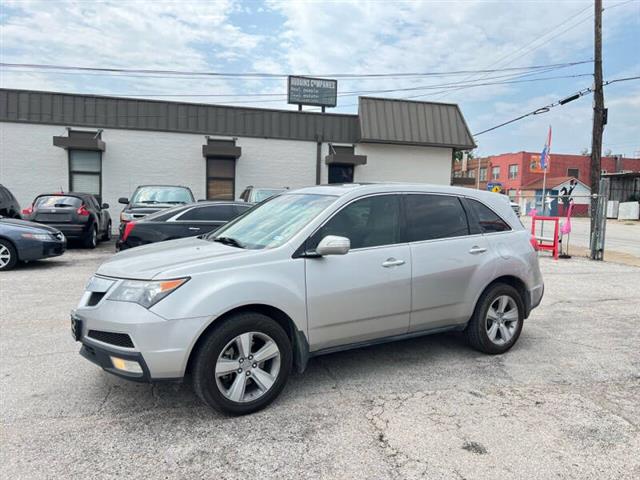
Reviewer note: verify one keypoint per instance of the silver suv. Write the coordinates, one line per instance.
(310, 272)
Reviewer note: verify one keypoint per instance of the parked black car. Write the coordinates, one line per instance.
(147, 199)
(21, 241)
(77, 215)
(9, 206)
(179, 222)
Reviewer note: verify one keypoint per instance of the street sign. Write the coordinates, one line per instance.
(320, 92)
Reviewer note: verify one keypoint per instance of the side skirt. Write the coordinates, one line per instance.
(379, 341)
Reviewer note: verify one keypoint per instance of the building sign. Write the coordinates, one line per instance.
(534, 164)
(312, 91)
(495, 187)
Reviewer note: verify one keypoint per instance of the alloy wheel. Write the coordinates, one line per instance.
(5, 256)
(502, 319)
(248, 367)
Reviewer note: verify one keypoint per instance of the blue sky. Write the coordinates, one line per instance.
(325, 37)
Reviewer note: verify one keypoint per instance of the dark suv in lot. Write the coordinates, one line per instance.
(78, 215)
(9, 206)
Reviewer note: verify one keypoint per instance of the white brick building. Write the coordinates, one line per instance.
(108, 146)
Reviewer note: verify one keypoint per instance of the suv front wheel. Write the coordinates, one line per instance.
(243, 364)
(497, 320)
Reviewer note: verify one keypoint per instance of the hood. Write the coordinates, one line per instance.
(150, 261)
(25, 224)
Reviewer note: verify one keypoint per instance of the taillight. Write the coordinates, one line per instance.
(28, 211)
(127, 230)
(83, 211)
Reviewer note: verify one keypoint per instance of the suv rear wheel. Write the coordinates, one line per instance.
(243, 364)
(497, 321)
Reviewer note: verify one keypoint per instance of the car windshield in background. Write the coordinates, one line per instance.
(264, 193)
(167, 195)
(57, 201)
(272, 223)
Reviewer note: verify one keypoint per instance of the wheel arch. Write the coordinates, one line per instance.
(516, 283)
(13, 244)
(299, 344)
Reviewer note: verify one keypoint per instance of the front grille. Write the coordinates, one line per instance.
(112, 338)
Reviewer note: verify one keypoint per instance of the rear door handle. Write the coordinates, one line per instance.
(475, 250)
(392, 262)
(194, 228)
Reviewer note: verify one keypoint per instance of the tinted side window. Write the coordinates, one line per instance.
(369, 222)
(435, 216)
(489, 221)
(212, 213)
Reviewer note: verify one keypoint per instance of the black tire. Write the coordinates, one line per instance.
(106, 236)
(203, 372)
(477, 329)
(7, 247)
(91, 239)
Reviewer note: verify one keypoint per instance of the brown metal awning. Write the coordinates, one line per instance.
(226, 151)
(346, 158)
(90, 141)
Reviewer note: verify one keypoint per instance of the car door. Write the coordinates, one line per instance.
(204, 219)
(365, 294)
(447, 258)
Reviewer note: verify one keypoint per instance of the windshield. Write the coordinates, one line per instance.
(264, 193)
(57, 201)
(153, 194)
(273, 222)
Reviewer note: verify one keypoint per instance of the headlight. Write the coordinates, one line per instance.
(126, 217)
(37, 236)
(145, 293)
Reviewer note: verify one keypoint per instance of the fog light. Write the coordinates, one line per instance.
(129, 366)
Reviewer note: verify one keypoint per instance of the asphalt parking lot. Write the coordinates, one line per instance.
(562, 404)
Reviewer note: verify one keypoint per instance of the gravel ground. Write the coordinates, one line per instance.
(563, 403)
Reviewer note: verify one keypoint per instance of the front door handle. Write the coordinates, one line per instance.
(392, 262)
(194, 228)
(475, 250)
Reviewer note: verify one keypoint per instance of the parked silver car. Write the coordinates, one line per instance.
(310, 272)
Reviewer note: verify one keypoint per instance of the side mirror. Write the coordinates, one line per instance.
(123, 200)
(105, 206)
(333, 245)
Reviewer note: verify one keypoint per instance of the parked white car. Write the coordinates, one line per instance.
(306, 273)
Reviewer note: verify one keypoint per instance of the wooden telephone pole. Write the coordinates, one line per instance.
(598, 122)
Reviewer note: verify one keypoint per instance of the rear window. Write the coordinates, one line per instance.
(165, 214)
(57, 201)
(166, 195)
(211, 213)
(431, 217)
(488, 220)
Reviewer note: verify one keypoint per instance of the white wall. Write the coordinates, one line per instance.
(29, 163)
(403, 163)
(275, 163)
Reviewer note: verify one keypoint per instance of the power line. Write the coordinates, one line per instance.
(546, 108)
(173, 73)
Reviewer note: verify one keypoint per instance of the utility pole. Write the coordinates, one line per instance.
(598, 126)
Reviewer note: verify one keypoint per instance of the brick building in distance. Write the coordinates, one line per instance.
(515, 171)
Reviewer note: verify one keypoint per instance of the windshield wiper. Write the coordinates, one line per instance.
(147, 201)
(175, 202)
(229, 241)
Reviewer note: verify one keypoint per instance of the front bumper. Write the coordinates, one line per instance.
(161, 346)
(101, 356)
(36, 249)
